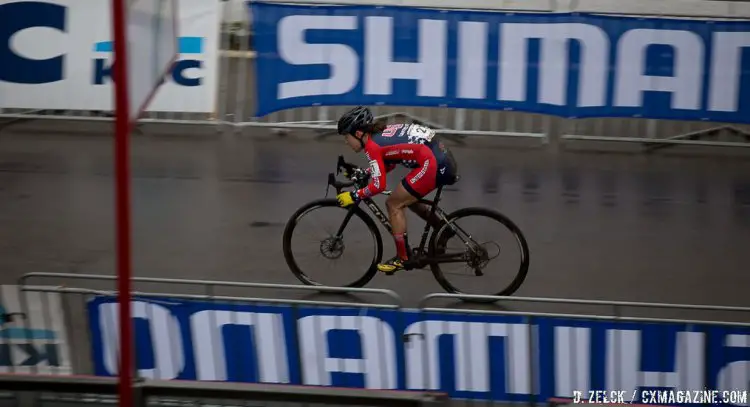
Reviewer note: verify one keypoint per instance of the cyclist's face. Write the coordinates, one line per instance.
(353, 143)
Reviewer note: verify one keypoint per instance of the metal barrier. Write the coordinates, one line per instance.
(54, 302)
(236, 102)
(688, 352)
(201, 331)
(148, 390)
(211, 286)
(617, 308)
(547, 354)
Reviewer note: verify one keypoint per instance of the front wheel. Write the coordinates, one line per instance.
(325, 236)
(475, 237)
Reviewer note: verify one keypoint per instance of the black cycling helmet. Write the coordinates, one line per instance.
(356, 119)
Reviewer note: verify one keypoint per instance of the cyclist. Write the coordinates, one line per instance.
(411, 145)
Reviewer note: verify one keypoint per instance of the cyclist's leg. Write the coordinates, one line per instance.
(418, 183)
(399, 199)
(423, 211)
(396, 202)
(446, 174)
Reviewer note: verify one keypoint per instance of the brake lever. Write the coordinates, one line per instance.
(345, 165)
(340, 164)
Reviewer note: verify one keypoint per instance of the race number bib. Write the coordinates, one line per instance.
(420, 134)
(374, 169)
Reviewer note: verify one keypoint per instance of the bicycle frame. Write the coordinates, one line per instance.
(381, 216)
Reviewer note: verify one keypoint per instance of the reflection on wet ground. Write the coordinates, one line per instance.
(604, 226)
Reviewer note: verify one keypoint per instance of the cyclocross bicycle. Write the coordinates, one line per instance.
(474, 255)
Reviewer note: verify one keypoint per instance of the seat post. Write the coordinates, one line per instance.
(437, 194)
(435, 201)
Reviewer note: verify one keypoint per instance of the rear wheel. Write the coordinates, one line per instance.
(313, 249)
(462, 235)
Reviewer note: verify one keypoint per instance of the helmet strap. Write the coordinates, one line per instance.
(360, 138)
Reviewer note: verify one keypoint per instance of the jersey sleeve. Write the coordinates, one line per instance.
(377, 172)
(388, 168)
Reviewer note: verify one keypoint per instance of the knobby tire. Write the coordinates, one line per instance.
(323, 203)
(498, 217)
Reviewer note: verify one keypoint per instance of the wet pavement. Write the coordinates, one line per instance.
(617, 226)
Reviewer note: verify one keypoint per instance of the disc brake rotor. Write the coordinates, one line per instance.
(478, 257)
(332, 247)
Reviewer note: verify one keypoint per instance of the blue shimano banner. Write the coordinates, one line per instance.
(569, 65)
(484, 357)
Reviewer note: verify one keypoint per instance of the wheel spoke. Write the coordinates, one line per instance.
(477, 230)
(345, 261)
(505, 278)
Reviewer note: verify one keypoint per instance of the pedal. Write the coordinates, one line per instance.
(410, 265)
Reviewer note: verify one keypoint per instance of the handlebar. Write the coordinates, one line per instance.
(338, 185)
(356, 175)
(341, 163)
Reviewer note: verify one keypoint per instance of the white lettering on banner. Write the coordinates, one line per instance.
(572, 360)
(270, 352)
(624, 356)
(377, 339)
(165, 339)
(472, 60)
(735, 375)
(553, 83)
(726, 61)
(686, 82)
(293, 49)
(574, 352)
(471, 342)
(429, 70)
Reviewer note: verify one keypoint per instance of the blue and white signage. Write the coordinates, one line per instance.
(57, 54)
(503, 358)
(570, 65)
